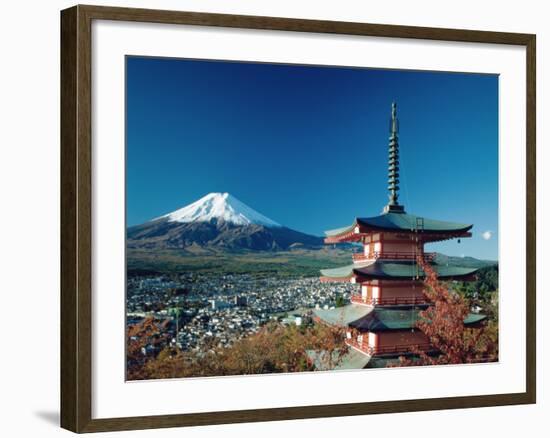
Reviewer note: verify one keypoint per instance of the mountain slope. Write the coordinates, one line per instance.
(219, 206)
(218, 220)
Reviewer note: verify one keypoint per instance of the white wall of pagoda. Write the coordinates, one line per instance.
(373, 340)
(390, 293)
(367, 249)
(390, 246)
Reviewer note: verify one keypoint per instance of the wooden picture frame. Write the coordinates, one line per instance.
(76, 217)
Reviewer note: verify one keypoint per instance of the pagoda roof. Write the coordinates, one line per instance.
(379, 319)
(394, 270)
(400, 221)
(352, 360)
(384, 319)
(342, 316)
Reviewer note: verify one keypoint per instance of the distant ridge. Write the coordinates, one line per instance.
(466, 262)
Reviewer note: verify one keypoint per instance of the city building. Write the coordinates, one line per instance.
(381, 319)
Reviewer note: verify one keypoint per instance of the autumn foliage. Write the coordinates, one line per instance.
(275, 348)
(443, 323)
(147, 332)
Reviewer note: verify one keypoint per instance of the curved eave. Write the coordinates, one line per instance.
(340, 272)
(381, 270)
(382, 320)
(352, 360)
(344, 234)
(432, 229)
(474, 318)
(342, 316)
(411, 223)
(393, 271)
(340, 231)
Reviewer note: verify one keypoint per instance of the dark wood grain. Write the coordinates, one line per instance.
(76, 250)
(531, 217)
(300, 25)
(69, 328)
(76, 222)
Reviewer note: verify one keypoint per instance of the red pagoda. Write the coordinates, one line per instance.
(381, 319)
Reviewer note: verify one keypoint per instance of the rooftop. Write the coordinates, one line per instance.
(400, 222)
(379, 319)
(352, 360)
(395, 270)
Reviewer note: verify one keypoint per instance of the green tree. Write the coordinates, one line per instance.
(340, 302)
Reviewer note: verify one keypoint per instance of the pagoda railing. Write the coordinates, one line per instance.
(359, 257)
(389, 301)
(388, 349)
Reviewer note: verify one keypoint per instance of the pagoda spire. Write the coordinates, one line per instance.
(393, 164)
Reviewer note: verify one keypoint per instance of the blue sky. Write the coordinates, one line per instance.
(307, 145)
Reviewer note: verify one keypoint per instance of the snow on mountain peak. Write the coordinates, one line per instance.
(220, 206)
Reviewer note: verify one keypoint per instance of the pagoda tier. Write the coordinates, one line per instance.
(400, 225)
(393, 270)
(397, 342)
(390, 293)
(383, 331)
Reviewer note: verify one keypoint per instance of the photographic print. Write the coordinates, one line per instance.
(297, 218)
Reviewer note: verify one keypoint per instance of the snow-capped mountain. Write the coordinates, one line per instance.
(220, 206)
(217, 220)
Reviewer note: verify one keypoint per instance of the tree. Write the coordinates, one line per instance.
(443, 324)
(139, 336)
(274, 349)
(481, 290)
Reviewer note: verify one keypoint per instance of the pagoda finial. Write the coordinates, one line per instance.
(393, 164)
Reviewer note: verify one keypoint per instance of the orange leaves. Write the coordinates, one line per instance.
(274, 349)
(443, 323)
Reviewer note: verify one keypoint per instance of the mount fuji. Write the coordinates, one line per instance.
(217, 220)
(222, 207)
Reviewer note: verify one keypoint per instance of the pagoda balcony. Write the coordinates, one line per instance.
(361, 257)
(363, 347)
(390, 301)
